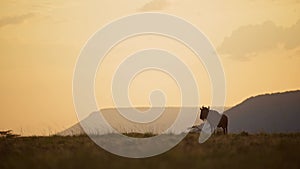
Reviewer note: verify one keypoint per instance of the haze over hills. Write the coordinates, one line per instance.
(270, 113)
(123, 125)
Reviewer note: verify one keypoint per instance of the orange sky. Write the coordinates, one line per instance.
(40, 41)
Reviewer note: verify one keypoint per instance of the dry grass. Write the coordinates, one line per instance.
(232, 151)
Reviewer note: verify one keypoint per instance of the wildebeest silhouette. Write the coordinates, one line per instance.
(214, 118)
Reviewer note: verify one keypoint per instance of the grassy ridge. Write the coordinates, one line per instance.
(231, 151)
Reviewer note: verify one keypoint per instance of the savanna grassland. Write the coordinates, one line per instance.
(233, 151)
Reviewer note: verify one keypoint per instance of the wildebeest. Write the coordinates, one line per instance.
(213, 117)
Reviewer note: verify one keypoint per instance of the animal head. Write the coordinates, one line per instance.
(204, 112)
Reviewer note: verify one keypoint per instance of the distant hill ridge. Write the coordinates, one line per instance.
(276, 94)
(270, 113)
(277, 112)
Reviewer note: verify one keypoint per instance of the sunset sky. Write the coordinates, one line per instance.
(257, 41)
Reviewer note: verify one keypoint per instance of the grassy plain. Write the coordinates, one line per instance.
(233, 151)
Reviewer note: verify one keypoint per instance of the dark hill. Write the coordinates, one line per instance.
(278, 112)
